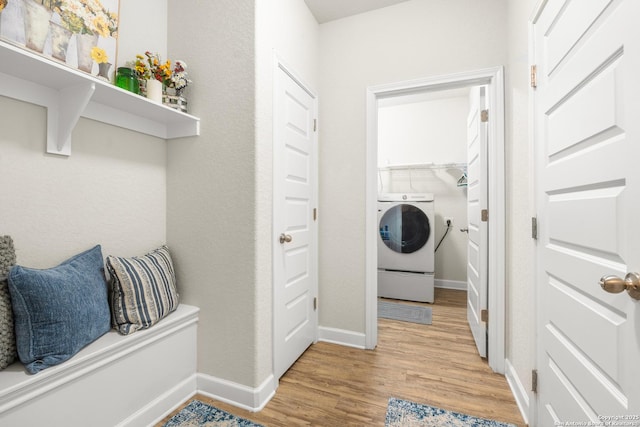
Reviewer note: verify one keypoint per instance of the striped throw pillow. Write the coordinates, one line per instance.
(143, 290)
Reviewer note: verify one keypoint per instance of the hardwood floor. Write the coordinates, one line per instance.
(437, 365)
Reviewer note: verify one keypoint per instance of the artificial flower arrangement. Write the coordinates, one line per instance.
(179, 80)
(150, 67)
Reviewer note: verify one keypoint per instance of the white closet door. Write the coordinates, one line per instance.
(477, 266)
(587, 136)
(295, 228)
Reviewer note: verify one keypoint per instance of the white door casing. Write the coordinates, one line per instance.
(477, 248)
(295, 226)
(493, 78)
(587, 145)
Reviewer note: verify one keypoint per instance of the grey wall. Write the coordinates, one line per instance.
(219, 213)
(110, 191)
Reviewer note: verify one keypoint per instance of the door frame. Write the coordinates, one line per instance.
(281, 66)
(494, 79)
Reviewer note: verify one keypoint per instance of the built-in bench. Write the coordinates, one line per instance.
(131, 380)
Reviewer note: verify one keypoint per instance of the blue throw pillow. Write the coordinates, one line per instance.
(60, 310)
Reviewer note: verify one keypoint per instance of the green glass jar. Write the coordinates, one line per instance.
(126, 79)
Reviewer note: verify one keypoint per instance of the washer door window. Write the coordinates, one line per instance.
(404, 228)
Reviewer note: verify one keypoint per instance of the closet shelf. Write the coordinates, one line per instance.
(462, 167)
(424, 166)
(69, 94)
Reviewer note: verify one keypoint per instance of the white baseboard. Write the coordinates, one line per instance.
(517, 389)
(451, 284)
(254, 399)
(251, 399)
(342, 337)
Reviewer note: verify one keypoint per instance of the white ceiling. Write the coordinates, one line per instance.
(329, 10)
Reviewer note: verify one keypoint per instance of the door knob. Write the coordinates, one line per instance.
(615, 284)
(285, 238)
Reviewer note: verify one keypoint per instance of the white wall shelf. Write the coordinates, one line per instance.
(69, 94)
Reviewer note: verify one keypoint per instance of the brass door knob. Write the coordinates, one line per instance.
(615, 284)
(285, 238)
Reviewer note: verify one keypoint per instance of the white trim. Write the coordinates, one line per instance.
(242, 396)
(497, 225)
(533, 201)
(494, 78)
(280, 64)
(371, 224)
(517, 389)
(342, 337)
(451, 284)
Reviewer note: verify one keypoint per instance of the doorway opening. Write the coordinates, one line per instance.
(492, 79)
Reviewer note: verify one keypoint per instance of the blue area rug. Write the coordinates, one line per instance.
(198, 413)
(402, 413)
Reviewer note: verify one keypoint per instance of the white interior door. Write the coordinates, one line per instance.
(477, 293)
(587, 136)
(295, 231)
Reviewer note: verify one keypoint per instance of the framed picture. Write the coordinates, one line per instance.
(82, 34)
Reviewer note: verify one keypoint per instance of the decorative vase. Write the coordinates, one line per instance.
(173, 98)
(36, 24)
(154, 90)
(85, 42)
(60, 37)
(126, 79)
(142, 87)
(103, 70)
(176, 102)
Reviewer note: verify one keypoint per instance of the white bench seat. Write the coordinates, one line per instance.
(117, 380)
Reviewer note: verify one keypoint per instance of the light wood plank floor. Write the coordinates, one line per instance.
(437, 365)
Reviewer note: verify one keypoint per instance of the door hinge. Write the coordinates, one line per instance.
(315, 213)
(484, 116)
(534, 76)
(534, 380)
(534, 228)
(315, 125)
(484, 215)
(315, 303)
(484, 315)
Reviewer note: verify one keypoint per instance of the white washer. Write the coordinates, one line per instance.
(406, 261)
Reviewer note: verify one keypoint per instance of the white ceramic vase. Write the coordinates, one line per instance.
(154, 90)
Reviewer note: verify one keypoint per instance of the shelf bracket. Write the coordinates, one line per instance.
(72, 101)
